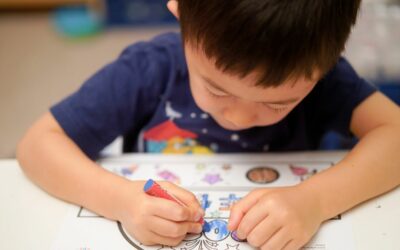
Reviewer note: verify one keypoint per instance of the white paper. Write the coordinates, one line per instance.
(220, 181)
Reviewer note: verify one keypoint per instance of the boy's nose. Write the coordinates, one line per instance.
(241, 118)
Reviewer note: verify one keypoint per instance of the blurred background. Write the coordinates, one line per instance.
(49, 47)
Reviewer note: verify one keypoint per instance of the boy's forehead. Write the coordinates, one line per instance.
(206, 66)
(245, 87)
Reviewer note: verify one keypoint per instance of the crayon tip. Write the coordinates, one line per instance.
(206, 227)
(148, 185)
(236, 238)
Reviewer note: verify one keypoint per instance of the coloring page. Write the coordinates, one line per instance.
(218, 182)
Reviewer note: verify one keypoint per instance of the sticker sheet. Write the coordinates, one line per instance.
(218, 182)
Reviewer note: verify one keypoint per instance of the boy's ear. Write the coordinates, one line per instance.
(172, 5)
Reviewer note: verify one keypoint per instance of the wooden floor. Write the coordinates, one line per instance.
(38, 67)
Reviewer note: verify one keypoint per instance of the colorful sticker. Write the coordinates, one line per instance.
(169, 176)
(212, 178)
(128, 171)
(262, 175)
(302, 172)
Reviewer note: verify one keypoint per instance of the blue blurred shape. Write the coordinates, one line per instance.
(77, 21)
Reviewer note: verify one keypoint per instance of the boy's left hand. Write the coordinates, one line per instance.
(276, 218)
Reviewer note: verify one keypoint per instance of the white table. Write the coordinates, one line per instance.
(30, 218)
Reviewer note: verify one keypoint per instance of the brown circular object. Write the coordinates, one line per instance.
(262, 175)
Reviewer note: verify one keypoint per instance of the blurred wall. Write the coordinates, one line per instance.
(38, 66)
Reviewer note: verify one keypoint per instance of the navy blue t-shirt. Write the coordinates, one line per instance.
(145, 94)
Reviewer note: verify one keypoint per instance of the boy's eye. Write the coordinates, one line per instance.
(217, 93)
(276, 107)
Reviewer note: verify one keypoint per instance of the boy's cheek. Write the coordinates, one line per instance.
(205, 103)
(208, 107)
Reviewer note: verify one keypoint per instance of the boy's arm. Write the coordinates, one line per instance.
(286, 218)
(371, 168)
(57, 165)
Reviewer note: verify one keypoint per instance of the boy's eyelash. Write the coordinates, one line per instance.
(277, 110)
(215, 95)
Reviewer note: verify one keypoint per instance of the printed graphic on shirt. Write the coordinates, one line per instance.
(168, 138)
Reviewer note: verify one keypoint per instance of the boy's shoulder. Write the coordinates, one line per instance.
(343, 81)
(342, 71)
(123, 95)
(166, 48)
(168, 40)
(334, 98)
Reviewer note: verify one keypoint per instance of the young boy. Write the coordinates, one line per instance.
(248, 76)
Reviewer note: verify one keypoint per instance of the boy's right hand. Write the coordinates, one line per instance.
(152, 220)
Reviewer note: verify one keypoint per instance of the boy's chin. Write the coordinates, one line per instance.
(229, 126)
(232, 127)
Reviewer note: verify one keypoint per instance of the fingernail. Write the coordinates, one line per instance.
(198, 228)
(201, 211)
(235, 237)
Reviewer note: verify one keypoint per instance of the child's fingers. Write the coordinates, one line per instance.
(292, 245)
(167, 209)
(186, 197)
(278, 240)
(241, 207)
(261, 233)
(173, 229)
(255, 217)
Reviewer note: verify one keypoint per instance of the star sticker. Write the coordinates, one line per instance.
(200, 166)
(129, 170)
(212, 178)
(169, 176)
(298, 170)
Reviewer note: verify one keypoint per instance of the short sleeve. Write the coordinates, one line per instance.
(119, 98)
(335, 97)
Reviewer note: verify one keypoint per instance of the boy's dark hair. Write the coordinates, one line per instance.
(280, 39)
